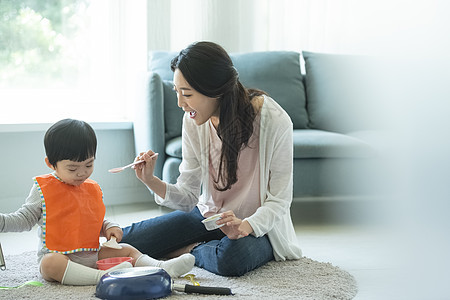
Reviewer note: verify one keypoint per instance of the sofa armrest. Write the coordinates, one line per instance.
(148, 125)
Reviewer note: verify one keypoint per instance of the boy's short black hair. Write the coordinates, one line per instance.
(70, 139)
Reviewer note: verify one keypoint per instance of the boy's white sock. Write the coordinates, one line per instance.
(175, 266)
(77, 274)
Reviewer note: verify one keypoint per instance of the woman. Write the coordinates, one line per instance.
(237, 161)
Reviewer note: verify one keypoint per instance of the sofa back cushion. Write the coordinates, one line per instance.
(340, 92)
(173, 115)
(278, 74)
(275, 72)
(159, 62)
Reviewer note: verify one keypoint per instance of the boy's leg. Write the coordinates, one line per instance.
(159, 236)
(227, 257)
(77, 274)
(175, 267)
(126, 251)
(57, 267)
(53, 266)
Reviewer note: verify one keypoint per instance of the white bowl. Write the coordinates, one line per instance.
(210, 223)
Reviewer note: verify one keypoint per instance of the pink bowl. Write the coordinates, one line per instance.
(105, 264)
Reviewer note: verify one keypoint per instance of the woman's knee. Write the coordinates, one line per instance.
(234, 260)
(231, 270)
(237, 257)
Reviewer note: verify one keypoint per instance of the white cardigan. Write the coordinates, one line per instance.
(276, 167)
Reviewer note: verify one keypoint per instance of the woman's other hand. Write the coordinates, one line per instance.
(234, 227)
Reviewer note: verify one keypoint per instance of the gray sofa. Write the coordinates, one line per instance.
(336, 138)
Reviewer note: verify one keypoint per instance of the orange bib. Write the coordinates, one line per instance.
(72, 215)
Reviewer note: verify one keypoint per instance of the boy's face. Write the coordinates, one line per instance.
(73, 172)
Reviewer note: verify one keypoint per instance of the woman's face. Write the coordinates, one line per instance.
(199, 107)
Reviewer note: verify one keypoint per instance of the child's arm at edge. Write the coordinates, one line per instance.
(25, 217)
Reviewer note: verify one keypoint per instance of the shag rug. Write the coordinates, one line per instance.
(300, 279)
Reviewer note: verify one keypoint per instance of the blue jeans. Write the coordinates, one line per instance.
(216, 253)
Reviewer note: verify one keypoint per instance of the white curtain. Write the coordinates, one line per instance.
(332, 26)
(118, 56)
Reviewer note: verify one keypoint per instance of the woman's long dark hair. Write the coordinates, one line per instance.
(208, 69)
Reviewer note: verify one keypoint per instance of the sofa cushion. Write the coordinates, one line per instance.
(173, 115)
(159, 62)
(170, 170)
(339, 92)
(338, 178)
(310, 143)
(382, 141)
(277, 73)
(173, 147)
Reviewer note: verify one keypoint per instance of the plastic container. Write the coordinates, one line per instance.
(105, 264)
(210, 223)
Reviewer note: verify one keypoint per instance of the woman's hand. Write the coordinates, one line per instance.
(144, 171)
(234, 227)
(114, 232)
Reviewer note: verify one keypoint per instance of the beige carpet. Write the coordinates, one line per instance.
(301, 279)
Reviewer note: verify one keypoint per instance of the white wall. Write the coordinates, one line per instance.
(22, 157)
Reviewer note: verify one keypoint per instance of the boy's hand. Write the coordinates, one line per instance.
(116, 232)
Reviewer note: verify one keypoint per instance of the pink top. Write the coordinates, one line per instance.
(244, 196)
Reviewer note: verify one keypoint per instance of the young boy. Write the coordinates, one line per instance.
(69, 208)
